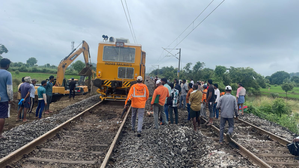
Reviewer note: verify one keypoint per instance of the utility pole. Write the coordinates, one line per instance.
(179, 67)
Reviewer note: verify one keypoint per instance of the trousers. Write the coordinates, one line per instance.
(40, 108)
(222, 125)
(188, 109)
(183, 100)
(216, 111)
(140, 113)
(158, 109)
(175, 110)
(166, 113)
(31, 104)
(72, 93)
(49, 100)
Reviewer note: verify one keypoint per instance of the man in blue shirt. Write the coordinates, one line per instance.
(24, 89)
(49, 87)
(6, 91)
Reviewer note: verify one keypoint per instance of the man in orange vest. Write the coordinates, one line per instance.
(138, 95)
(163, 93)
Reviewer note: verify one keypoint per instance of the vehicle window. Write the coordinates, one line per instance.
(119, 54)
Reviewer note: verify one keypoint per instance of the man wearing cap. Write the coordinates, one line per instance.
(32, 95)
(138, 95)
(25, 98)
(72, 86)
(49, 88)
(6, 91)
(228, 105)
(158, 107)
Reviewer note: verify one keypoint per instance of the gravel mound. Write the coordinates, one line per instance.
(23, 134)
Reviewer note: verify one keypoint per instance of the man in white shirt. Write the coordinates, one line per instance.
(191, 81)
(32, 94)
(217, 96)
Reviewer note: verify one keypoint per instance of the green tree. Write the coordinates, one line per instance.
(220, 70)
(287, 87)
(295, 79)
(3, 49)
(278, 77)
(78, 66)
(31, 61)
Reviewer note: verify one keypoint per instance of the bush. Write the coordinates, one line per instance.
(275, 95)
(16, 81)
(275, 85)
(17, 72)
(23, 69)
(280, 107)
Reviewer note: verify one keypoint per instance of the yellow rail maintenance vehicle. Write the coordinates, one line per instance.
(118, 65)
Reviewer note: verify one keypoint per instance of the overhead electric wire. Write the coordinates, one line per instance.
(131, 21)
(187, 27)
(128, 22)
(191, 22)
(198, 24)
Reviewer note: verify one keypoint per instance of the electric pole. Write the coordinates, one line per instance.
(179, 67)
(179, 58)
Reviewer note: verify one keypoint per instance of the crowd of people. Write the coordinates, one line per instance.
(26, 95)
(194, 99)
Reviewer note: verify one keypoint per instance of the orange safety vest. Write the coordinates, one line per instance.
(138, 95)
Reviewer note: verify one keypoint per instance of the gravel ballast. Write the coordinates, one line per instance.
(23, 134)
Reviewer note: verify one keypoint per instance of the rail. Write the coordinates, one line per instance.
(18, 154)
(243, 151)
(108, 154)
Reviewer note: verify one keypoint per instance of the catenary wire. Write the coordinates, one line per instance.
(131, 21)
(128, 20)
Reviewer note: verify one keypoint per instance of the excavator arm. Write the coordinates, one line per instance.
(69, 59)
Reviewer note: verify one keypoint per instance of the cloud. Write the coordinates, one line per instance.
(258, 34)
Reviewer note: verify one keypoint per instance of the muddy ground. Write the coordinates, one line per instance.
(55, 107)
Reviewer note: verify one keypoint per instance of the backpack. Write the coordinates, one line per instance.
(178, 87)
(294, 148)
(170, 100)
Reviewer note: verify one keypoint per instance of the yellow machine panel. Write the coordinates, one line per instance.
(118, 65)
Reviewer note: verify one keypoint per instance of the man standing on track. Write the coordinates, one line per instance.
(217, 96)
(6, 91)
(228, 105)
(184, 91)
(138, 95)
(210, 100)
(158, 107)
(49, 88)
(164, 83)
(25, 95)
(195, 106)
(241, 92)
(190, 85)
(32, 95)
(72, 86)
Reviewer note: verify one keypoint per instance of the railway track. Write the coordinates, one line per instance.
(85, 140)
(263, 148)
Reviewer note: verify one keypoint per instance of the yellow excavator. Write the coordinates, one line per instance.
(60, 86)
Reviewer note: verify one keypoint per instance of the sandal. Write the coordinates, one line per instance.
(25, 120)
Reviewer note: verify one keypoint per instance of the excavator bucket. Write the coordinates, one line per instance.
(87, 71)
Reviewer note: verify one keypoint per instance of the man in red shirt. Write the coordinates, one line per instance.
(163, 93)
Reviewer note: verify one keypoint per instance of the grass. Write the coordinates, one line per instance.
(37, 76)
(264, 104)
(294, 94)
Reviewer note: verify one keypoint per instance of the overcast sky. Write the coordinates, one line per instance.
(263, 35)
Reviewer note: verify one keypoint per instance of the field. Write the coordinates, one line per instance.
(294, 94)
(38, 76)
